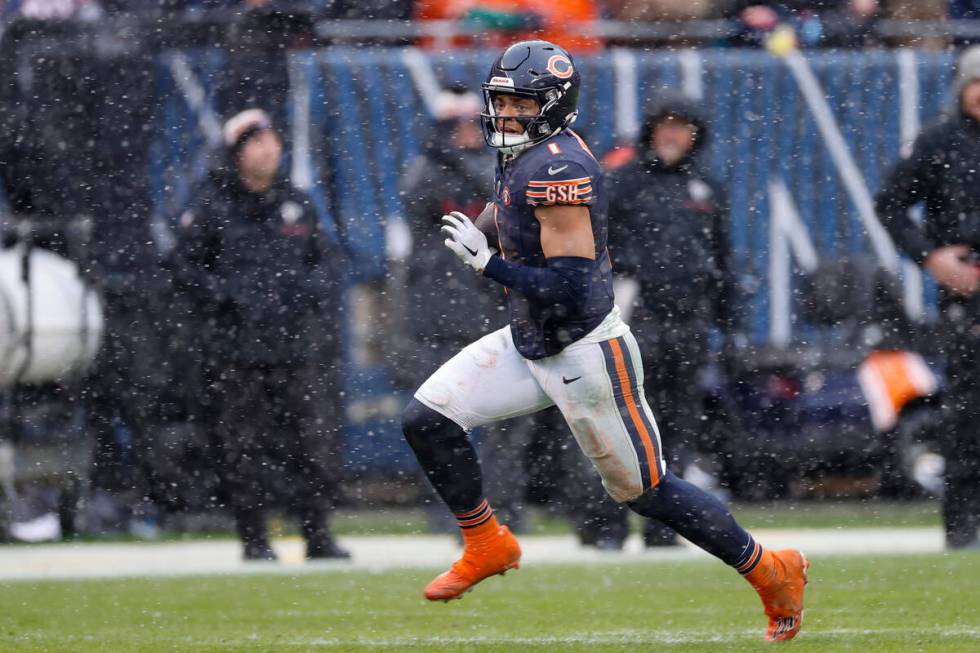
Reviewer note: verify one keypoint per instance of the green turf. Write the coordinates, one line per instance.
(870, 513)
(887, 604)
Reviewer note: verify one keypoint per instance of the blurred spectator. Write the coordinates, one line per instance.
(503, 22)
(453, 173)
(131, 397)
(49, 9)
(252, 251)
(370, 9)
(941, 172)
(65, 164)
(964, 9)
(670, 246)
(535, 459)
(28, 179)
(666, 11)
(851, 25)
(785, 25)
(661, 10)
(911, 12)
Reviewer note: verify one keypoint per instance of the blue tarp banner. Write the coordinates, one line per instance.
(801, 143)
(810, 135)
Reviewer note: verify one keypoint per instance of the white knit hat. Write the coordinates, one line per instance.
(240, 124)
(967, 69)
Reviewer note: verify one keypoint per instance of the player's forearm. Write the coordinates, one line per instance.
(566, 281)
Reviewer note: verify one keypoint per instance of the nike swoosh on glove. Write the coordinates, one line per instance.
(466, 241)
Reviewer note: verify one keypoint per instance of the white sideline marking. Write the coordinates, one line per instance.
(628, 637)
(378, 553)
(601, 638)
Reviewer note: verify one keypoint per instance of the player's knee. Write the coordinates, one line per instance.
(624, 494)
(415, 419)
(653, 499)
(622, 488)
(421, 425)
(627, 488)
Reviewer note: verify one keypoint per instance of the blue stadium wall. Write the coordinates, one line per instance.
(818, 132)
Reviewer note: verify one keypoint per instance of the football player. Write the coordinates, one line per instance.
(566, 345)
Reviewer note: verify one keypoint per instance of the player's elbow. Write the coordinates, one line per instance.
(574, 289)
(571, 304)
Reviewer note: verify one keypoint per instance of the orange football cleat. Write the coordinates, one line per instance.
(780, 580)
(487, 553)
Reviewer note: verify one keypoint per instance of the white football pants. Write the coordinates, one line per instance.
(596, 382)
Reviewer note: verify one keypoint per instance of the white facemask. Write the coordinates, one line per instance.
(516, 143)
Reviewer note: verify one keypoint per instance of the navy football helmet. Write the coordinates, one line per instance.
(539, 70)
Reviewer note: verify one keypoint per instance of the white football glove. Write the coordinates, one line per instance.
(466, 241)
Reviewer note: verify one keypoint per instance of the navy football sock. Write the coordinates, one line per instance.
(700, 518)
(447, 456)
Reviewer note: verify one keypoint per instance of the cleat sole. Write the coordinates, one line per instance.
(516, 565)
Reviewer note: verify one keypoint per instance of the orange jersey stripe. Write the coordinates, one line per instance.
(541, 193)
(634, 410)
(563, 182)
(582, 143)
(566, 203)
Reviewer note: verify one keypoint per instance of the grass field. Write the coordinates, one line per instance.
(783, 514)
(887, 604)
(866, 513)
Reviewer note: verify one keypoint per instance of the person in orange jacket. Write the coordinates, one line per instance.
(506, 21)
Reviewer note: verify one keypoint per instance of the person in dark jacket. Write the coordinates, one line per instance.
(58, 172)
(455, 173)
(942, 172)
(253, 251)
(669, 242)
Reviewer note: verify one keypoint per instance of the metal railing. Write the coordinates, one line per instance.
(297, 28)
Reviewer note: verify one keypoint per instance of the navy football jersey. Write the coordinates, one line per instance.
(560, 170)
